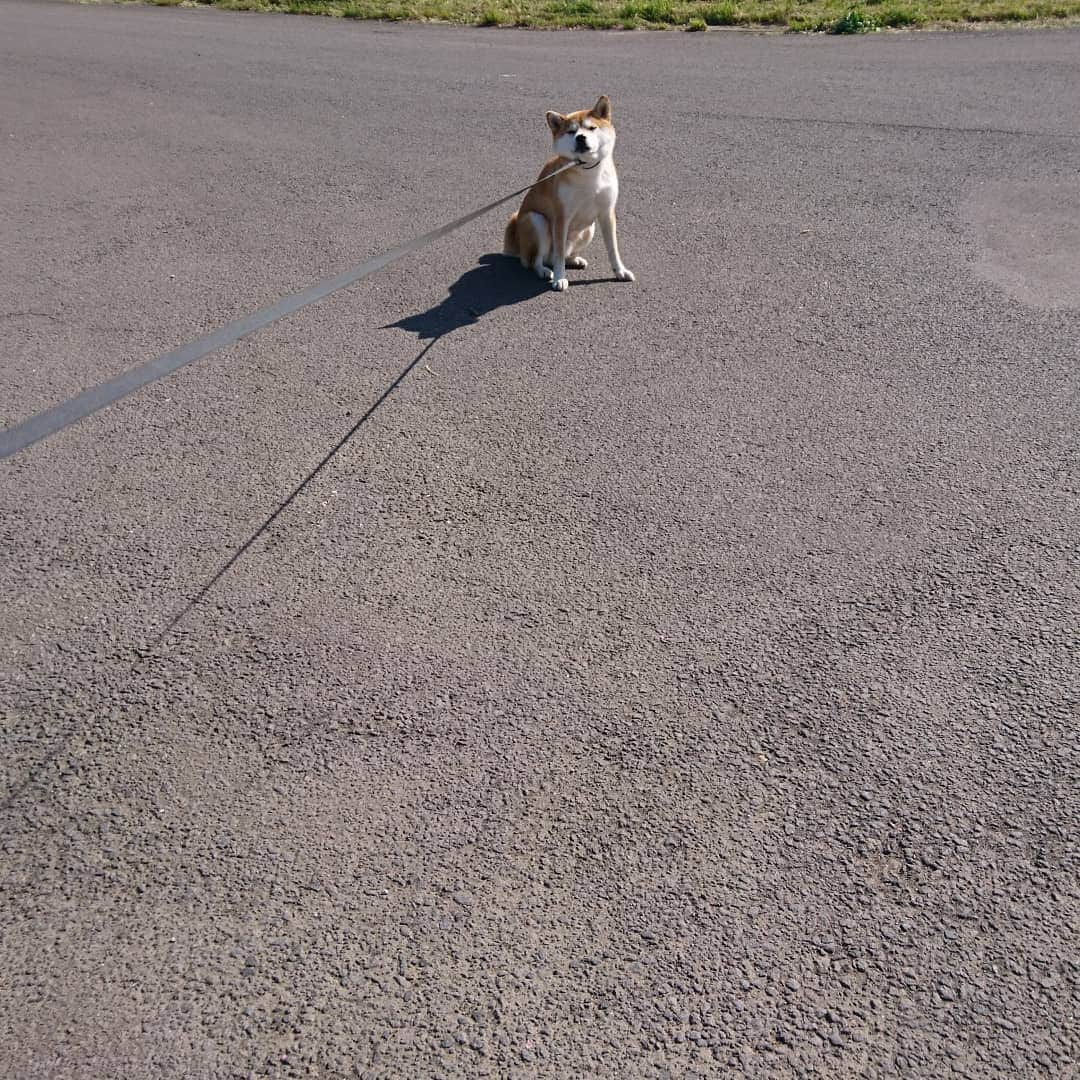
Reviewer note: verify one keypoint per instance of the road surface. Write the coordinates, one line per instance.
(671, 679)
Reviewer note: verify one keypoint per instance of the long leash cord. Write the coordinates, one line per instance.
(49, 422)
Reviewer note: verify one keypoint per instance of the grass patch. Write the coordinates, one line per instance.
(657, 12)
(855, 21)
(571, 9)
(721, 15)
(899, 17)
(832, 16)
(775, 15)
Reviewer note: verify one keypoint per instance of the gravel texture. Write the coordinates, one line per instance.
(665, 680)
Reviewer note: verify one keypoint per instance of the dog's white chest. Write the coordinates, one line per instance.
(594, 198)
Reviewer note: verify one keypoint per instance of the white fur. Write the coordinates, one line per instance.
(588, 198)
(539, 227)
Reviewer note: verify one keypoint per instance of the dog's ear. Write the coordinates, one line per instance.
(556, 121)
(602, 109)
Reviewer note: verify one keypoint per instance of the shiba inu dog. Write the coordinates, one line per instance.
(558, 218)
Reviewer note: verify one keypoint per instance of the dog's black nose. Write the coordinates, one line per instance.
(582, 142)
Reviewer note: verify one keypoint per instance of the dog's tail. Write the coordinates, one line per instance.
(510, 237)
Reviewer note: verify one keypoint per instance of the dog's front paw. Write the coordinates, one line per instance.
(560, 284)
(544, 273)
(622, 274)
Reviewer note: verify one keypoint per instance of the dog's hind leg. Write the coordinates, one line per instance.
(510, 236)
(541, 236)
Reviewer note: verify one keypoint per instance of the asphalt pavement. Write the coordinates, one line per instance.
(458, 679)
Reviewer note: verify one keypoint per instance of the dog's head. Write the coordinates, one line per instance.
(586, 136)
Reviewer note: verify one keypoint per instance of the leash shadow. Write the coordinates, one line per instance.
(489, 285)
(201, 595)
(496, 281)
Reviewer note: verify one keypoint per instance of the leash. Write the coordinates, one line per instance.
(49, 422)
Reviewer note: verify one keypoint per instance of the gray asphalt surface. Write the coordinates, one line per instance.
(672, 679)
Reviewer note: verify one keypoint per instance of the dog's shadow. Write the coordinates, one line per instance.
(497, 281)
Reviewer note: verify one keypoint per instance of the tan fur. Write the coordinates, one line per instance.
(547, 200)
(558, 218)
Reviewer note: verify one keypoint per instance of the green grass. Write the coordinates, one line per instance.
(726, 14)
(821, 16)
(855, 21)
(649, 12)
